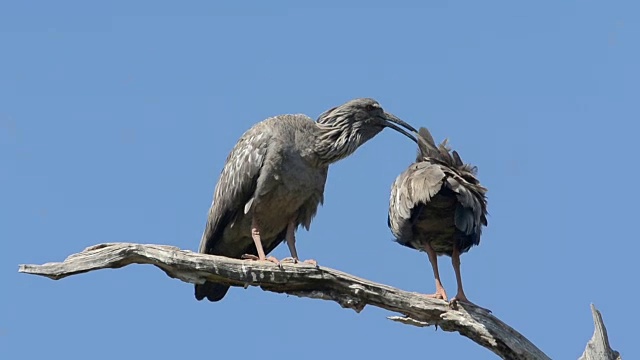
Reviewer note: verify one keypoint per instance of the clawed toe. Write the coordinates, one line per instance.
(311, 262)
(463, 299)
(436, 296)
(289, 260)
(257, 258)
(292, 260)
(273, 260)
(440, 294)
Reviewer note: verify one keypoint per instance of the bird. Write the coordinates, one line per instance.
(437, 205)
(274, 178)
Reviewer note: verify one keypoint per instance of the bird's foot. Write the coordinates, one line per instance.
(311, 262)
(257, 258)
(461, 298)
(440, 294)
(292, 260)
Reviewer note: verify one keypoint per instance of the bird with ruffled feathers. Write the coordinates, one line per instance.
(438, 206)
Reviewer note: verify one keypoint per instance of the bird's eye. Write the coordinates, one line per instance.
(370, 107)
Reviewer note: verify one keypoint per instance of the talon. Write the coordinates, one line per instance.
(435, 296)
(273, 260)
(453, 304)
(292, 260)
(311, 262)
(257, 258)
(289, 260)
(463, 299)
(440, 294)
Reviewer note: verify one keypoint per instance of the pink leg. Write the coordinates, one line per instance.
(433, 259)
(460, 296)
(291, 243)
(255, 234)
(455, 261)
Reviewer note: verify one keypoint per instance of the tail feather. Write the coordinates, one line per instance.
(426, 145)
(211, 291)
(214, 291)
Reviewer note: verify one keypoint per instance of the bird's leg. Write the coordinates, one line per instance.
(460, 295)
(455, 261)
(291, 243)
(433, 259)
(255, 235)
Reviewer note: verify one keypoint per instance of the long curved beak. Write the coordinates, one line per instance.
(391, 121)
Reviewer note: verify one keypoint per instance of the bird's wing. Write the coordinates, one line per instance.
(418, 184)
(471, 212)
(460, 178)
(237, 184)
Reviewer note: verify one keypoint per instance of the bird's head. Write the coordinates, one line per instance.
(354, 123)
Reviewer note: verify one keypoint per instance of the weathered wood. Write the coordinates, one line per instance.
(598, 347)
(305, 281)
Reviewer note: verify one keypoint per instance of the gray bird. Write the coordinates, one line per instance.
(438, 206)
(274, 178)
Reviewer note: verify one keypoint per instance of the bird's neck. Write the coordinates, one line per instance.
(335, 143)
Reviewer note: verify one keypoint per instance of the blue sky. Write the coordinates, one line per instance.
(116, 119)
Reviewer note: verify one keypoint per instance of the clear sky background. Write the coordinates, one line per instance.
(116, 119)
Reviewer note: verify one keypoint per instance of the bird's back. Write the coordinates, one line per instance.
(438, 199)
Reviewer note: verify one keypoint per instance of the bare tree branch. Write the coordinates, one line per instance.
(308, 281)
(598, 347)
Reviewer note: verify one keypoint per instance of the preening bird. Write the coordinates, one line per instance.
(274, 178)
(438, 206)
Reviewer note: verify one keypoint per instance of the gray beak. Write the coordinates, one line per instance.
(391, 121)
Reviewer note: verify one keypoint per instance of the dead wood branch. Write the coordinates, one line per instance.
(598, 347)
(305, 281)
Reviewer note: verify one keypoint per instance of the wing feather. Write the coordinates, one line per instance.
(418, 184)
(471, 212)
(237, 184)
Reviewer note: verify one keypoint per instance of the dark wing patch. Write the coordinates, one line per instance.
(236, 186)
(471, 211)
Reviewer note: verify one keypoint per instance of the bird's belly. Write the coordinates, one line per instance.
(281, 205)
(291, 191)
(273, 212)
(296, 183)
(237, 237)
(439, 234)
(435, 224)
